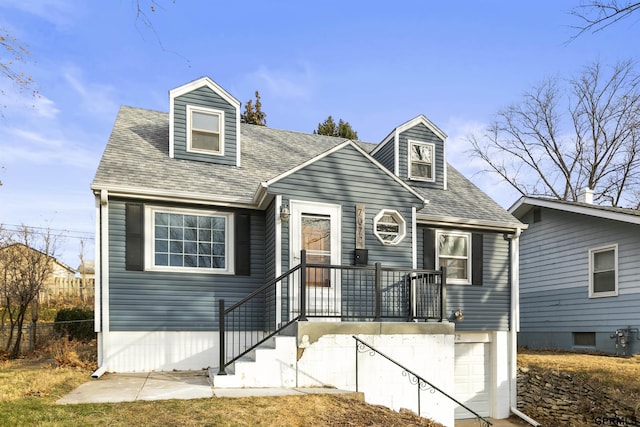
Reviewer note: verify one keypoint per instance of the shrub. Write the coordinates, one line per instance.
(76, 323)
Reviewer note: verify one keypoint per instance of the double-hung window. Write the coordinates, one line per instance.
(603, 271)
(421, 161)
(453, 251)
(189, 240)
(205, 130)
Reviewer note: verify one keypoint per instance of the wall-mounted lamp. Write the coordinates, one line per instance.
(284, 213)
(459, 315)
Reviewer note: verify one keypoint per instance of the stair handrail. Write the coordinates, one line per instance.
(222, 312)
(413, 378)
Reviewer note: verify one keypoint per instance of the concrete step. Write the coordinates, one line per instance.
(270, 365)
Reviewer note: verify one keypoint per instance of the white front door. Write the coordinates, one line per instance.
(315, 227)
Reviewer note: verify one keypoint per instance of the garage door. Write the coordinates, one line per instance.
(472, 378)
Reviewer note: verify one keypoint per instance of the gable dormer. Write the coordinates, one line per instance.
(204, 123)
(415, 152)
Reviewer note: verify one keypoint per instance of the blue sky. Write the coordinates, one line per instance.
(375, 64)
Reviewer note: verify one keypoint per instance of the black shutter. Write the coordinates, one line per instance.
(134, 244)
(476, 259)
(429, 247)
(243, 244)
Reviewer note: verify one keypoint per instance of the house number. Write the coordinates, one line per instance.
(359, 226)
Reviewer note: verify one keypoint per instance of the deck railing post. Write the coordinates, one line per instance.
(303, 285)
(221, 370)
(378, 285)
(443, 292)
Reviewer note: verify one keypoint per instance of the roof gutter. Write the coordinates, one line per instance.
(444, 221)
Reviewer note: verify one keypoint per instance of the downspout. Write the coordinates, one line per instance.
(101, 247)
(515, 327)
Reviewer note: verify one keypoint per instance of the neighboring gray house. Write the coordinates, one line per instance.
(579, 275)
(194, 207)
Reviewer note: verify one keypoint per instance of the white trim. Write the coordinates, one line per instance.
(402, 226)
(422, 119)
(204, 81)
(334, 211)
(266, 184)
(414, 239)
(175, 196)
(383, 142)
(150, 240)
(98, 267)
(396, 153)
(278, 256)
(411, 142)
(592, 252)
(520, 206)
(444, 165)
(189, 130)
(172, 127)
(103, 278)
(447, 221)
(468, 280)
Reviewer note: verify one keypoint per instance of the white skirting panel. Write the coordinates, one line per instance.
(160, 351)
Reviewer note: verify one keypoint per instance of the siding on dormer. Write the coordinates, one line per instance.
(204, 97)
(385, 155)
(421, 133)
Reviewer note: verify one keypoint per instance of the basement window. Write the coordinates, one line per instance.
(584, 339)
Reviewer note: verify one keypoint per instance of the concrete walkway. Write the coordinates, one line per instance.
(111, 388)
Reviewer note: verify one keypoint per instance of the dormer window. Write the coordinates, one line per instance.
(205, 130)
(421, 161)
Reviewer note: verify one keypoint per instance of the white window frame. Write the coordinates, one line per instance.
(468, 280)
(431, 145)
(150, 251)
(592, 252)
(211, 111)
(402, 226)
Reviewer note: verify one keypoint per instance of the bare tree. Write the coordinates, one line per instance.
(569, 134)
(596, 15)
(26, 263)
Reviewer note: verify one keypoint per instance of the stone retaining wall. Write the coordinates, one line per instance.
(560, 399)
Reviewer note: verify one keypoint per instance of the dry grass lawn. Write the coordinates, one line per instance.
(30, 387)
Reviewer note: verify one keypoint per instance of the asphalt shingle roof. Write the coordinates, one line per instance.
(136, 158)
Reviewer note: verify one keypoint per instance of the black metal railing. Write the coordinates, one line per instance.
(414, 379)
(250, 322)
(349, 293)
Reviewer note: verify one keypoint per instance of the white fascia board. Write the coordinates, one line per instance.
(437, 220)
(422, 119)
(204, 81)
(396, 153)
(525, 203)
(171, 127)
(338, 147)
(175, 196)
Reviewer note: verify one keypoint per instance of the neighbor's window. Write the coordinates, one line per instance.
(389, 227)
(421, 160)
(454, 252)
(603, 266)
(190, 240)
(205, 130)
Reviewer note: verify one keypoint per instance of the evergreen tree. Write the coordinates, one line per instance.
(330, 128)
(253, 114)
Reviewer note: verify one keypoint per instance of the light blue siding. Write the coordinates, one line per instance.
(486, 307)
(204, 97)
(554, 279)
(159, 301)
(385, 155)
(347, 178)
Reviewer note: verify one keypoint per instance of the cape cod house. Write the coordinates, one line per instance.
(214, 236)
(579, 267)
